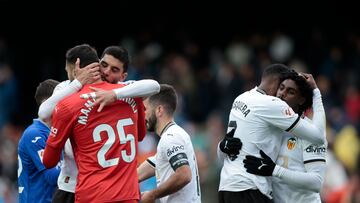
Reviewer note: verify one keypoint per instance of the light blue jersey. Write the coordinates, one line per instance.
(36, 183)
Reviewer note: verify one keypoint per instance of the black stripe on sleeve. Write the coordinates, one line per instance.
(314, 160)
(293, 125)
(151, 163)
(178, 160)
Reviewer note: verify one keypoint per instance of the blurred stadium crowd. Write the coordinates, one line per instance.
(208, 78)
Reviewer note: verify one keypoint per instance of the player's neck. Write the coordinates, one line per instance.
(98, 81)
(163, 124)
(262, 88)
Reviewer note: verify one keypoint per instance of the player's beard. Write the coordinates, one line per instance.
(151, 122)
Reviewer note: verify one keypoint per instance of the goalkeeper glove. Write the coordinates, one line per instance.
(231, 145)
(259, 166)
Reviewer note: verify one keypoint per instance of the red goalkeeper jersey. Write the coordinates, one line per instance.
(104, 144)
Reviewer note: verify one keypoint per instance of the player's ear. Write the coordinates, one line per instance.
(124, 76)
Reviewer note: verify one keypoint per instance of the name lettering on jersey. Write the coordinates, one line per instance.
(315, 149)
(174, 149)
(242, 107)
(83, 118)
(131, 102)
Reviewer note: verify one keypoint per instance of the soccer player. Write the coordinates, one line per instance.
(104, 144)
(258, 120)
(89, 58)
(299, 171)
(113, 67)
(36, 183)
(174, 163)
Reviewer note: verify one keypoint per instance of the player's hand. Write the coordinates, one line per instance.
(231, 145)
(309, 79)
(259, 166)
(147, 197)
(87, 74)
(101, 97)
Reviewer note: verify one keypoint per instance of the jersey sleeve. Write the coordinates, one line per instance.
(61, 91)
(35, 146)
(62, 125)
(175, 150)
(141, 88)
(312, 179)
(141, 120)
(279, 114)
(313, 152)
(152, 161)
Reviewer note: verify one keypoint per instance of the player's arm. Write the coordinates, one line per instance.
(62, 125)
(146, 169)
(51, 175)
(35, 148)
(141, 88)
(178, 162)
(281, 115)
(174, 183)
(84, 75)
(312, 179)
(230, 146)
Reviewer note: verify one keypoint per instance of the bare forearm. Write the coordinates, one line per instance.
(145, 171)
(175, 182)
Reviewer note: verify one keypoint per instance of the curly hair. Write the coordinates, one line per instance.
(304, 89)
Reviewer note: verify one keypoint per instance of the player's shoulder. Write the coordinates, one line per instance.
(32, 132)
(175, 132)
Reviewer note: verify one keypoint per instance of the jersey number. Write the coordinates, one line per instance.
(109, 143)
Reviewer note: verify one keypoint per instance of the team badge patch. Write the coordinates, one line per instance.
(291, 143)
(288, 111)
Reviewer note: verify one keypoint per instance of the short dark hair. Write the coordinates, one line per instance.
(281, 70)
(85, 52)
(119, 53)
(166, 97)
(44, 90)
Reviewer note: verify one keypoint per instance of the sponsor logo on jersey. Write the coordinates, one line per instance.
(36, 139)
(291, 143)
(288, 111)
(53, 131)
(315, 149)
(174, 149)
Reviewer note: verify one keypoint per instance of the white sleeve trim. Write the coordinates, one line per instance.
(311, 180)
(47, 107)
(319, 118)
(141, 88)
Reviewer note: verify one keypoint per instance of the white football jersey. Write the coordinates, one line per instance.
(294, 153)
(69, 170)
(260, 121)
(174, 150)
